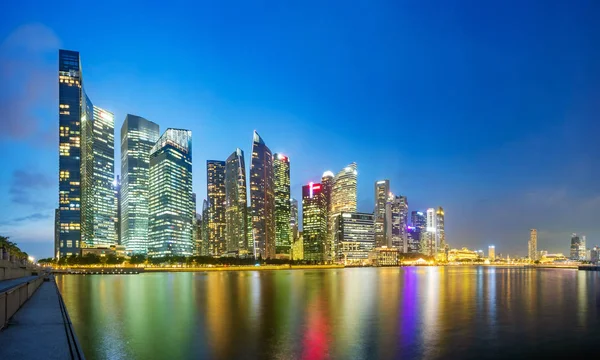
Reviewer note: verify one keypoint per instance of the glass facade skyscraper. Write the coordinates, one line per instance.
(138, 136)
(327, 180)
(314, 222)
(293, 220)
(262, 198)
(356, 237)
(343, 199)
(170, 200)
(215, 189)
(440, 232)
(399, 222)
(281, 170)
(236, 204)
(382, 191)
(98, 207)
(70, 97)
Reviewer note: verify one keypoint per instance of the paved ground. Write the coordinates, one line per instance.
(37, 330)
(7, 284)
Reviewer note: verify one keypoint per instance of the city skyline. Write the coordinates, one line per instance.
(285, 125)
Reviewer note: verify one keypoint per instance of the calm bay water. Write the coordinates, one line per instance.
(369, 313)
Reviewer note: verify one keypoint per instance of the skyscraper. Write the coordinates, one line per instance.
(293, 220)
(71, 98)
(281, 182)
(343, 195)
(171, 204)
(492, 252)
(382, 191)
(343, 199)
(236, 204)
(440, 233)
(356, 237)
(138, 136)
(419, 234)
(98, 209)
(578, 248)
(327, 180)
(533, 253)
(430, 234)
(117, 190)
(262, 198)
(204, 248)
(314, 222)
(398, 206)
(215, 189)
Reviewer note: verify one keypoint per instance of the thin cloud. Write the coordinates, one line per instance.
(25, 185)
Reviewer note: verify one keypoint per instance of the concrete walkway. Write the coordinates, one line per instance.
(7, 284)
(38, 330)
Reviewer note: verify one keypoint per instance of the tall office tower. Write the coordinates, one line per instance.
(343, 195)
(356, 237)
(171, 204)
(197, 235)
(281, 183)
(138, 136)
(98, 209)
(419, 222)
(492, 252)
(56, 233)
(72, 99)
(440, 233)
(249, 232)
(215, 189)
(314, 222)
(293, 220)
(343, 199)
(413, 239)
(327, 184)
(576, 243)
(262, 198)
(398, 209)
(533, 253)
(582, 249)
(430, 234)
(204, 248)
(117, 191)
(382, 191)
(236, 204)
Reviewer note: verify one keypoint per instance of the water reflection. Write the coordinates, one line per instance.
(370, 313)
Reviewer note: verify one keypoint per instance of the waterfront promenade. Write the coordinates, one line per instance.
(41, 328)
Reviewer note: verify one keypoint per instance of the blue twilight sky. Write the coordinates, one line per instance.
(489, 109)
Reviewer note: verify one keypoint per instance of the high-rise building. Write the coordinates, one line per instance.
(492, 252)
(413, 239)
(171, 204)
(236, 204)
(533, 252)
(204, 251)
(138, 136)
(343, 195)
(440, 233)
(356, 237)
(98, 209)
(293, 220)
(56, 232)
(198, 236)
(578, 248)
(281, 182)
(298, 248)
(117, 191)
(430, 233)
(215, 189)
(71, 98)
(343, 199)
(314, 222)
(419, 222)
(398, 210)
(327, 184)
(262, 198)
(382, 227)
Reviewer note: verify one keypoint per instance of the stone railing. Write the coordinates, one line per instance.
(12, 299)
(11, 270)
